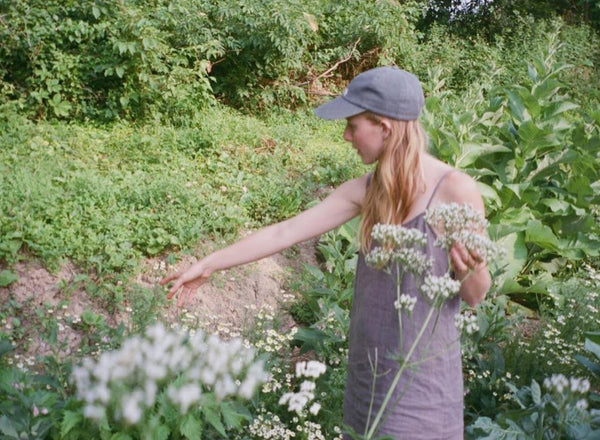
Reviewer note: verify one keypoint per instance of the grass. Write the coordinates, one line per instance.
(106, 197)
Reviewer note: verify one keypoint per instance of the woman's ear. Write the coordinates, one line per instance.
(386, 127)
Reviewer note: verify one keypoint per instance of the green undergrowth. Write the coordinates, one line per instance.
(105, 197)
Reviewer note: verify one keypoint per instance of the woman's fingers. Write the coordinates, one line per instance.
(170, 278)
(464, 261)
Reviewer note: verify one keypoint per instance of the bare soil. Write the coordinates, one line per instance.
(229, 300)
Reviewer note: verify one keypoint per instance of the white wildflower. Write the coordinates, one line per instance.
(467, 322)
(406, 302)
(436, 288)
(129, 380)
(185, 396)
(132, 411)
(315, 408)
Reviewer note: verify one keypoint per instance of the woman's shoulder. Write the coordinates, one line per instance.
(459, 187)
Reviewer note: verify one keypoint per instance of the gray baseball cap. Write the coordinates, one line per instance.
(385, 91)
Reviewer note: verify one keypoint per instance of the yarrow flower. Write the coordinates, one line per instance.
(297, 401)
(560, 384)
(436, 288)
(124, 383)
(312, 369)
(406, 302)
(463, 224)
(467, 322)
(397, 236)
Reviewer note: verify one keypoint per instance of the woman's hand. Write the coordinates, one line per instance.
(471, 270)
(186, 282)
(464, 262)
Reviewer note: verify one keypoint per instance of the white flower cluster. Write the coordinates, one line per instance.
(269, 427)
(297, 401)
(397, 244)
(451, 217)
(560, 383)
(438, 289)
(467, 323)
(462, 224)
(572, 387)
(125, 382)
(406, 302)
(397, 236)
(412, 260)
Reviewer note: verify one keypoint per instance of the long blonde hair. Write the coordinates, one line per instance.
(397, 179)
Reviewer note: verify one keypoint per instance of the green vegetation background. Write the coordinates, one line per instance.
(134, 129)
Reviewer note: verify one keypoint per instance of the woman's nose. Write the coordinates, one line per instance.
(347, 135)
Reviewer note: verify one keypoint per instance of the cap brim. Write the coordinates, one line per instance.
(338, 108)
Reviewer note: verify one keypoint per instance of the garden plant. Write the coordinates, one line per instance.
(136, 134)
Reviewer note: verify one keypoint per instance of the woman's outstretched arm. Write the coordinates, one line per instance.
(341, 205)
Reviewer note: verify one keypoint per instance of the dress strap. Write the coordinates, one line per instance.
(437, 186)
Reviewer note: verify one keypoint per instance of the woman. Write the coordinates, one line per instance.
(382, 107)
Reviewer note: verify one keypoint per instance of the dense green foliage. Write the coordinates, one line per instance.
(135, 129)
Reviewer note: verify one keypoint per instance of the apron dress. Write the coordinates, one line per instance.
(428, 400)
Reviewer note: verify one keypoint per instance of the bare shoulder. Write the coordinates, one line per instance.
(459, 187)
(353, 190)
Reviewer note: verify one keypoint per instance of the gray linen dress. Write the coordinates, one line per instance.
(431, 408)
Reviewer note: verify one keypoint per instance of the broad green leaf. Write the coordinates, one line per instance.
(234, 416)
(593, 336)
(7, 428)
(557, 108)
(470, 152)
(592, 347)
(530, 102)
(541, 235)
(517, 108)
(518, 188)
(593, 367)
(556, 205)
(536, 392)
(489, 194)
(516, 254)
(7, 278)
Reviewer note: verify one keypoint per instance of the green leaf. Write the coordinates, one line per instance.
(516, 256)
(593, 337)
(471, 151)
(120, 436)
(593, 367)
(489, 194)
(234, 415)
(7, 278)
(592, 347)
(7, 428)
(541, 235)
(516, 106)
(536, 392)
(557, 108)
(212, 415)
(69, 421)
(191, 427)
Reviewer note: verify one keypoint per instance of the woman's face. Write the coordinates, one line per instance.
(366, 136)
